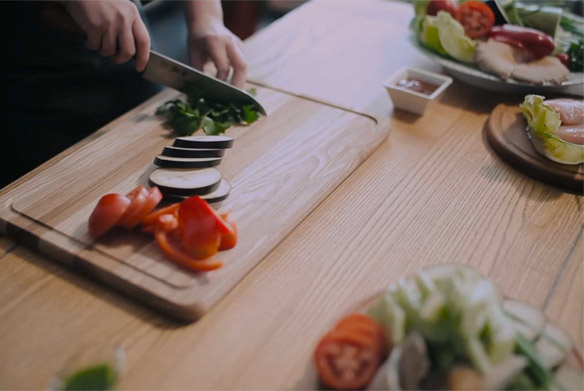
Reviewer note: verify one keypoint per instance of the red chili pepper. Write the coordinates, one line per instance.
(534, 41)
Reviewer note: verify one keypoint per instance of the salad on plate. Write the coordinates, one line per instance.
(517, 42)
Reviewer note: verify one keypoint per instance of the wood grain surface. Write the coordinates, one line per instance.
(434, 192)
(282, 167)
(507, 135)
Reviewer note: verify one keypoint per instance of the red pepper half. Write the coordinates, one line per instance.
(534, 41)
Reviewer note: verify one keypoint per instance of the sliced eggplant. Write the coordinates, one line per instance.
(186, 182)
(213, 142)
(191, 152)
(527, 320)
(553, 345)
(220, 194)
(183, 162)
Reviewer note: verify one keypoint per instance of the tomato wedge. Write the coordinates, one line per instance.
(170, 245)
(476, 17)
(137, 199)
(200, 228)
(152, 199)
(107, 213)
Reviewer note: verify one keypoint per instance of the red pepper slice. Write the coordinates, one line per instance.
(170, 245)
(200, 227)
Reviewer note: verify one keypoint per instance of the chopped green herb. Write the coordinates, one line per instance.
(98, 377)
(214, 118)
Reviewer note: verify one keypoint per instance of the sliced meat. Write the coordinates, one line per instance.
(496, 58)
(545, 70)
(571, 111)
(509, 62)
(571, 133)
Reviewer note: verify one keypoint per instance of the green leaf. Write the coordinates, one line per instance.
(185, 126)
(98, 377)
(250, 114)
(252, 91)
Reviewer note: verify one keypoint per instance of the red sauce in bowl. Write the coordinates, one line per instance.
(416, 85)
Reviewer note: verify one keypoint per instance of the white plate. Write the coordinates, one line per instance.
(474, 76)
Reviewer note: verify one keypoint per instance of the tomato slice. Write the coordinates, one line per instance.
(200, 227)
(151, 218)
(345, 361)
(228, 241)
(152, 199)
(476, 17)
(107, 213)
(170, 245)
(361, 323)
(138, 198)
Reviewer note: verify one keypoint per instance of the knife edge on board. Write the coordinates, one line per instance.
(171, 73)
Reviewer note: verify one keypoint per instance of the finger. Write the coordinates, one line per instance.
(142, 42)
(94, 40)
(109, 43)
(126, 45)
(198, 58)
(218, 54)
(238, 63)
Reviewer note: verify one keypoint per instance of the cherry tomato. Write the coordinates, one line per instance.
(450, 6)
(476, 17)
(107, 213)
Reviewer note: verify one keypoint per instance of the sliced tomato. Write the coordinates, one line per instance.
(151, 218)
(228, 241)
(200, 227)
(346, 361)
(152, 199)
(362, 323)
(170, 244)
(107, 213)
(137, 199)
(476, 17)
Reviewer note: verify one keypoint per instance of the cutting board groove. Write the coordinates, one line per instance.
(281, 168)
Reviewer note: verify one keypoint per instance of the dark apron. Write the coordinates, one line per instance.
(55, 91)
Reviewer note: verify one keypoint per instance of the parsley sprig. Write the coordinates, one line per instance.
(197, 112)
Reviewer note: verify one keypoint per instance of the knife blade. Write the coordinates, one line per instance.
(171, 73)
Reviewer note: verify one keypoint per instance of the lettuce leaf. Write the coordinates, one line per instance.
(543, 123)
(428, 34)
(453, 38)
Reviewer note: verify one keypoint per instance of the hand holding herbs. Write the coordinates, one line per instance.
(214, 118)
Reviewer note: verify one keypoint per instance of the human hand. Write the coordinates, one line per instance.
(114, 28)
(212, 40)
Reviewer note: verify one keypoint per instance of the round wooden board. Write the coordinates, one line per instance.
(506, 132)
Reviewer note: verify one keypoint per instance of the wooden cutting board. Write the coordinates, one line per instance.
(506, 132)
(280, 168)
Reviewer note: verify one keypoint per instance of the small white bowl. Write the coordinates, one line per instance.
(412, 101)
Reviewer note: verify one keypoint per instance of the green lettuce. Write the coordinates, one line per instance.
(543, 123)
(453, 38)
(428, 34)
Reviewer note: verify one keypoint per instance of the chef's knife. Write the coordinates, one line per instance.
(166, 71)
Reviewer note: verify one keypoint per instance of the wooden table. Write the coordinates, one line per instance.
(432, 193)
